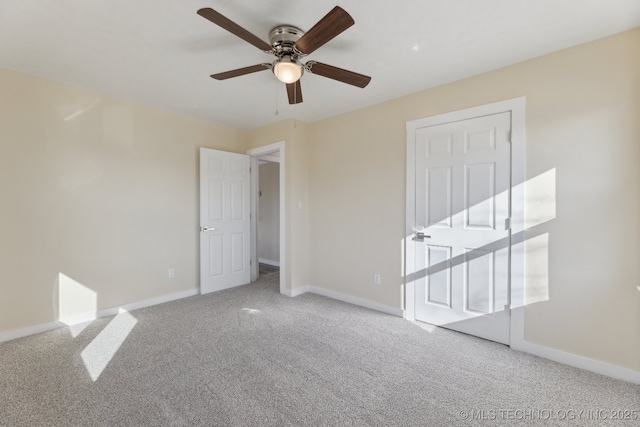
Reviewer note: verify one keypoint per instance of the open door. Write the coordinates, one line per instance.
(225, 238)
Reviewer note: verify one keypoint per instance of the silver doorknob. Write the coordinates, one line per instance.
(419, 237)
(207, 228)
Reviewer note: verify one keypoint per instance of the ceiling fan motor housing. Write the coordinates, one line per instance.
(282, 39)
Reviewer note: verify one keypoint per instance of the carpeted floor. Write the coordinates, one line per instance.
(251, 357)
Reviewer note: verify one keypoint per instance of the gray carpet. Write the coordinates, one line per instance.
(251, 357)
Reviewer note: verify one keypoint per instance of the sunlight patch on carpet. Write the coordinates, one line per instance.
(102, 349)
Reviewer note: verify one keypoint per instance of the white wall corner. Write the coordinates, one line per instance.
(297, 291)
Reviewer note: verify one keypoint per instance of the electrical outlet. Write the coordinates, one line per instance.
(376, 278)
(172, 273)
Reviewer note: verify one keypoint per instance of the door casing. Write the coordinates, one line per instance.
(278, 149)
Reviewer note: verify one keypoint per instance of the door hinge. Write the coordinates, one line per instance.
(507, 224)
(250, 262)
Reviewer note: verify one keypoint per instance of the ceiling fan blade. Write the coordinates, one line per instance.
(294, 90)
(241, 71)
(234, 28)
(339, 74)
(327, 28)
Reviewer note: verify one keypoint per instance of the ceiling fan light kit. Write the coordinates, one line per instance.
(290, 44)
(287, 70)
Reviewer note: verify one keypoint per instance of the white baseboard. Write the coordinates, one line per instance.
(269, 262)
(347, 298)
(577, 361)
(149, 302)
(29, 330)
(85, 317)
(518, 343)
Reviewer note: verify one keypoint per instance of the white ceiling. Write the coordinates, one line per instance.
(161, 53)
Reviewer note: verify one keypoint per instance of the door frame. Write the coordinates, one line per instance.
(255, 153)
(516, 107)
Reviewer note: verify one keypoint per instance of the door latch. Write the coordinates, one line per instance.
(420, 236)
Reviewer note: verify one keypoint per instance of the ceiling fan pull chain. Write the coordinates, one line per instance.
(277, 112)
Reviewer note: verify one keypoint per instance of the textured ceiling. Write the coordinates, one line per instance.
(161, 53)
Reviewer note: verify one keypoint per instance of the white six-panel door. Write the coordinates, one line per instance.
(225, 243)
(462, 207)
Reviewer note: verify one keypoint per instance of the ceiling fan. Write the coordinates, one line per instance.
(289, 44)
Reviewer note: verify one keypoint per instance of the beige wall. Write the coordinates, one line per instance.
(269, 212)
(582, 154)
(105, 192)
(100, 190)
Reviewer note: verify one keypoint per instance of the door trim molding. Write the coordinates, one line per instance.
(255, 153)
(517, 108)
